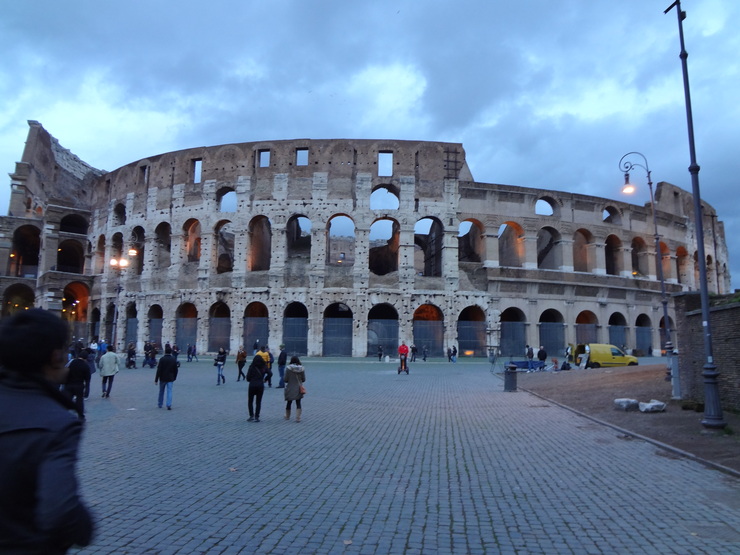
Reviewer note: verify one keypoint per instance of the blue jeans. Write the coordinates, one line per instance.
(530, 364)
(281, 369)
(162, 387)
(220, 376)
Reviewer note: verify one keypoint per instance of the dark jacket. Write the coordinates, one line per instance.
(79, 372)
(40, 510)
(166, 369)
(256, 372)
(283, 358)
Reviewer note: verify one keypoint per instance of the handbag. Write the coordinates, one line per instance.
(302, 389)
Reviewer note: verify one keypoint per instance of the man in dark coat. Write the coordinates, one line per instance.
(166, 375)
(40, 509)
(78, 381)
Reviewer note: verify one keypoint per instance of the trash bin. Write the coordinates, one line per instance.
(510, 378)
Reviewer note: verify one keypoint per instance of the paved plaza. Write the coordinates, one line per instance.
(439, 461)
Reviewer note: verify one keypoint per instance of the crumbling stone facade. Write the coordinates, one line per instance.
(335, 247)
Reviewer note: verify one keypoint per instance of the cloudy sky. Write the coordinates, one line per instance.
(541, 93)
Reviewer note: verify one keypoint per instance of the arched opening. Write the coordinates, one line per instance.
(384, 242)
(382, 330)
(74, 223)
(17, 297)
(298, 233)
(428, 245)
(583, 251)
(119, 214)
(256, 326)
(513, 332)
(549, 249)
(471, 332)
(295, 329)
(552, 332)
(384, 197)
(224, 236)
(612, 255)
(260, 244)
(155, 319)
(511, 245)
(471, 246)
(618, 330)
(192, 240)
(99, 257)
(219, 327)
(70, 257)
(612, 215)
(186, 324)
(639, 258)
(130, 333)
(587, 325)
(683, 266)
(643, 336)
(163, 246)
(665, 259)
(23, 260)
(544, 207)
(429, 329)
(340, 245)
(227, 201)
(338, 324)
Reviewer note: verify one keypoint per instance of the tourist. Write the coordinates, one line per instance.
(295, 375)
(256, 379)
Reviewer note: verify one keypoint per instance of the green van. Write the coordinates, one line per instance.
(602, 355)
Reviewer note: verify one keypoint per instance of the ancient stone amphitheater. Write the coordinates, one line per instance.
(339, 247)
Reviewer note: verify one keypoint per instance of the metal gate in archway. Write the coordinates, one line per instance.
(219, 334)
(186, 332)
(513, 339)
(384, 333)
(430, 334)
(552, 338)
(295, 336)
(618, 335)
(338, 337)
(471, 338)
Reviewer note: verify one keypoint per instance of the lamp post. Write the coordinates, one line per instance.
(712, 408)
(627, 166)
(119, 265)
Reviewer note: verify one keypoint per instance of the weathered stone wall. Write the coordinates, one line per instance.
(725, 333)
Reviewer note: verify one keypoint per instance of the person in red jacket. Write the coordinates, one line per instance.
(403, 353)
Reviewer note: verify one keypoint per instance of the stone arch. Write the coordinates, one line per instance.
(186, 324)
(513, 335)
(137, 251)
(612, 215)
(643, 335)
(70, 257)
(471, 246)
(75, 303)
(385, 197)
(472, 333)
(338, 329)
(382, 329)
(683, 266)
(17, 297)
(612, 255)
(260, 244)
(384, 244)
(428, 247)
(192, 240)
(547, 206)
(23, 258)
(256, 326)
(99, 256)
(119, 214)
(163, 246)
(340, 243)
(226, 199)
(583, 251)
(587, 325)
(298, 238)
(511, 250)
(552, 332)
(640, 266)
(219, 327)
(295, 329)
(549, 249)
(74, 223)
(224, 237)
(429, 329)
(618, 330)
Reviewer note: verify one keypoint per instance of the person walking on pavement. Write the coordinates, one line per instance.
(265, 354)
(91, 354)
(295, 375)
(282, 361)
(219, 362)
(40, 507)
(256, 379)
(166, 376)
(241, 360)
(380, 353)
(109, 367)
(78, 381)
(424, 353)
(414, 350)
(542, 356)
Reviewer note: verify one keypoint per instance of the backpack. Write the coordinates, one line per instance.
(530, 353)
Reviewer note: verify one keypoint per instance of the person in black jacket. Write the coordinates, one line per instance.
(282, 363)
(78, 382)
(40, 507)
(256, 379)
(166, 376)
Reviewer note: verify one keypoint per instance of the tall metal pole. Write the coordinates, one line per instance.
(713, 418)
(626, 166)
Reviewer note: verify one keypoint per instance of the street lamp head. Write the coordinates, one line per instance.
(628, 188)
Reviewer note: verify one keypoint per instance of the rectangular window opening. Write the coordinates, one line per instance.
(144, 175)
(385, 164)
(264, 158)
(197, 170)
(301, 157)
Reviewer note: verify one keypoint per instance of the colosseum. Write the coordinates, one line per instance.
(337, 247)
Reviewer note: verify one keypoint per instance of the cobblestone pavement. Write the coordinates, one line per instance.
(438, 461)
